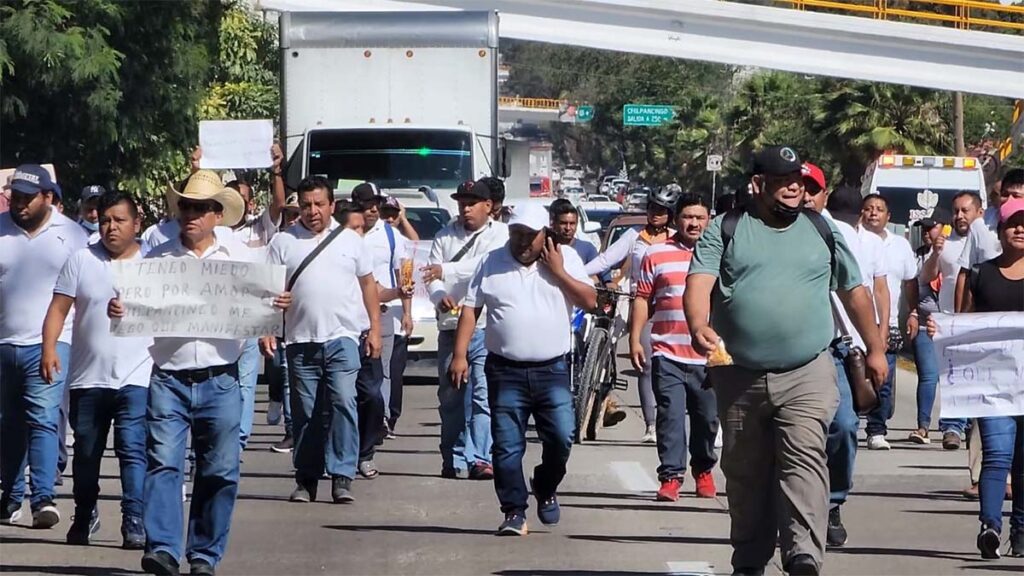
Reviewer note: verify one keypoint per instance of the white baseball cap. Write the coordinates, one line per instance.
(533, 216)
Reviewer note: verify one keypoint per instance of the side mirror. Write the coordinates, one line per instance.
(592, 227)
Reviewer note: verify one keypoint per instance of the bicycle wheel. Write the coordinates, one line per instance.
(590, 378)
(602, 389)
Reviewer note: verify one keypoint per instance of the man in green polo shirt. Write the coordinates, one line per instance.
(774, 272)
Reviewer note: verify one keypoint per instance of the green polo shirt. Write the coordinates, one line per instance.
(772, 305)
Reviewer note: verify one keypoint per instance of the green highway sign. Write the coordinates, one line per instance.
(584, 113)
(647, 114)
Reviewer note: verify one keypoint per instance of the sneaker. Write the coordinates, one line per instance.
(669, 491)
(274, 412)
(83, 528)
(972, 492)
(304, 492)
(988, 543)
(835, 535)
(548, 510)
(455, 473)
(284, 446)
(341, 490)
(160, 563)
(1016, 543)
(802, 565)
(481, 471)
(368, 470)
(650, 435)
(950, 441)
(10, 515)
(705, 484)
(133, 534)
(200, 567)
(878, 442)
(45, 516)
(514, 525)
(920, 436)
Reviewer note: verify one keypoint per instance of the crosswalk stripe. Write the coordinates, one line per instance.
(633, 476)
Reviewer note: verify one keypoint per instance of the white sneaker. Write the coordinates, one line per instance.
(13, 519)
(878, 442)
(650, 436)
(274, 412)
(47, 516)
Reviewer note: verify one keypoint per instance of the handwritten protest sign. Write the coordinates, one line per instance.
(981, 364)
(184, 297)
(236, 143)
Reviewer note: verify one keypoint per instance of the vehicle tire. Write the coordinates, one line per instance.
(590, 378)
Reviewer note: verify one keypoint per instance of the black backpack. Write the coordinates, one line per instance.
(731, 219)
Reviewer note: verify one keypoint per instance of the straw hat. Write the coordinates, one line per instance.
(207, 185)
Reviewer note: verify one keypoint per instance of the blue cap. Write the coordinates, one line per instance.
(32, 179)
(94, 191)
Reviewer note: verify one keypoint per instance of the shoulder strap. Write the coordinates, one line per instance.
(469, 245)
(312, 256)
(391, 244)
(825, 231)
(730, 221)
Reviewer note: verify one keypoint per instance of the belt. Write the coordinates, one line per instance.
(498, 359)
(197, 375)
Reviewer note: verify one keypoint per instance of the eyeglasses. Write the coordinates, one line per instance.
(186, 205)
(813, 190)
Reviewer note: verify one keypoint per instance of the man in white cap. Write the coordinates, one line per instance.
(527, 375)
(194, 386)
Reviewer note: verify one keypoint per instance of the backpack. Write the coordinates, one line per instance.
(731, 220)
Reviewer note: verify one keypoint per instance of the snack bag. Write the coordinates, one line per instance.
(407, 274)
(719, 356)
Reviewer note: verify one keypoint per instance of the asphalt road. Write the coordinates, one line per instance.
(906, 516)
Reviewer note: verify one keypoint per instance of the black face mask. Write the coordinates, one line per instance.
(786, 213)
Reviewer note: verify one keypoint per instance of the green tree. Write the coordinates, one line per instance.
(245, 84)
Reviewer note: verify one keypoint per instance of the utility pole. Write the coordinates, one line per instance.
(958, 123)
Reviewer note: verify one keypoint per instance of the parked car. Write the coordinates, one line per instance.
(598, 198)
(574, 193)
(571, 182)
(601, 212)
(637, 198)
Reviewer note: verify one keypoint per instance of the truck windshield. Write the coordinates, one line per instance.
(393, 158)
(910, 204)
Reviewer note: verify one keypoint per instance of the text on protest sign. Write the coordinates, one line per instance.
(981, 364)
(230, 144)
(184, 297)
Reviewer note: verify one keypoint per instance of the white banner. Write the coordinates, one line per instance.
(184, 297)
(981, 364)
(231, 144)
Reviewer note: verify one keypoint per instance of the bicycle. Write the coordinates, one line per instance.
(594, 369)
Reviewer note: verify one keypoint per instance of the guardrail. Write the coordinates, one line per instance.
(962, 14)
(540, 103)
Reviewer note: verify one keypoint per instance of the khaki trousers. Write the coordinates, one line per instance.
(774, 429)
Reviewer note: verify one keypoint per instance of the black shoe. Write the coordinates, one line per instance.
(341, 490)
(836, 533)
(201, 568)
(304, 492)
(159, 563)
(988, 542)
(83, 528)
(802, 565)
(132, 533)
(285, 445)
(1016, 543)
(746, 571)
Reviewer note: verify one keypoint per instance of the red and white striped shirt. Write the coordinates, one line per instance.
(662, 280)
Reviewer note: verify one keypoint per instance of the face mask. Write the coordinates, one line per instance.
(785, 212)
(249, 218)
(90, 226)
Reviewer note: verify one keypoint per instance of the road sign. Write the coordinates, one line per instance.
(647, 114)
(584, 113)
(714, 163)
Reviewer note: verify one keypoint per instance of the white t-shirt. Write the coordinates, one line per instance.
(170, 353)
(867, 251)
(949, 268)
(28, 271)
(387, 268)
(257, 234)
(900, 265)
(98, 358)
(327, 301)
(528, 316)
(170, 229)
(982, 245)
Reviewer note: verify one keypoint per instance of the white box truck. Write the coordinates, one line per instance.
(401, 99)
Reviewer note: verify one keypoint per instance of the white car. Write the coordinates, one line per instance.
(571, 182)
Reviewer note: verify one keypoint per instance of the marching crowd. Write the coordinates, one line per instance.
(765, 324)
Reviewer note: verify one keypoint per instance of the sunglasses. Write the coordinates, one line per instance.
(197, 207)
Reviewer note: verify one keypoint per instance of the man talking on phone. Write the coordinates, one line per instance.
(528, 287)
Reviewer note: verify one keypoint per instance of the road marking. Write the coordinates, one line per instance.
(633, 476)
(690, 568)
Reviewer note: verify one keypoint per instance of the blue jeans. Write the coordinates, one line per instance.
(369, 402)
(678, 390)
(92, 412)
(877, 418)
(517, 391)
(28, 429)
(208, 403)
(927, 381)
(465, 418)
(1002, 452)
(276, 369)
(248, 372)
(323, 387)
(841, 444)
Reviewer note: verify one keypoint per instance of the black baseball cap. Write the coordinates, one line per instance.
(94, 191)
(366, 194)
(939, 216)
(777, 161)
(478, 190)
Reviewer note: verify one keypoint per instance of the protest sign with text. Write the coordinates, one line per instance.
(981, 364)
(189, 298)
(231, 144)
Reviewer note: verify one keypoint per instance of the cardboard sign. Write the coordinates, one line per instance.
(230, 144)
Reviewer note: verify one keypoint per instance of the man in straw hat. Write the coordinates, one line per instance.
(195, 384)
(529, 286)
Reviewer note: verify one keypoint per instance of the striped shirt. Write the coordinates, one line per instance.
(662, 279)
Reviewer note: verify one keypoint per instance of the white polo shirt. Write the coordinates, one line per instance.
(900, 265)
(98, 358)
(949, 269)
(28, 271)
(449, 242)
(170, 229)
(327, 302)
(193, 353)
(257, 234)
(528, 316)
(868, 252)
(387, 266)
